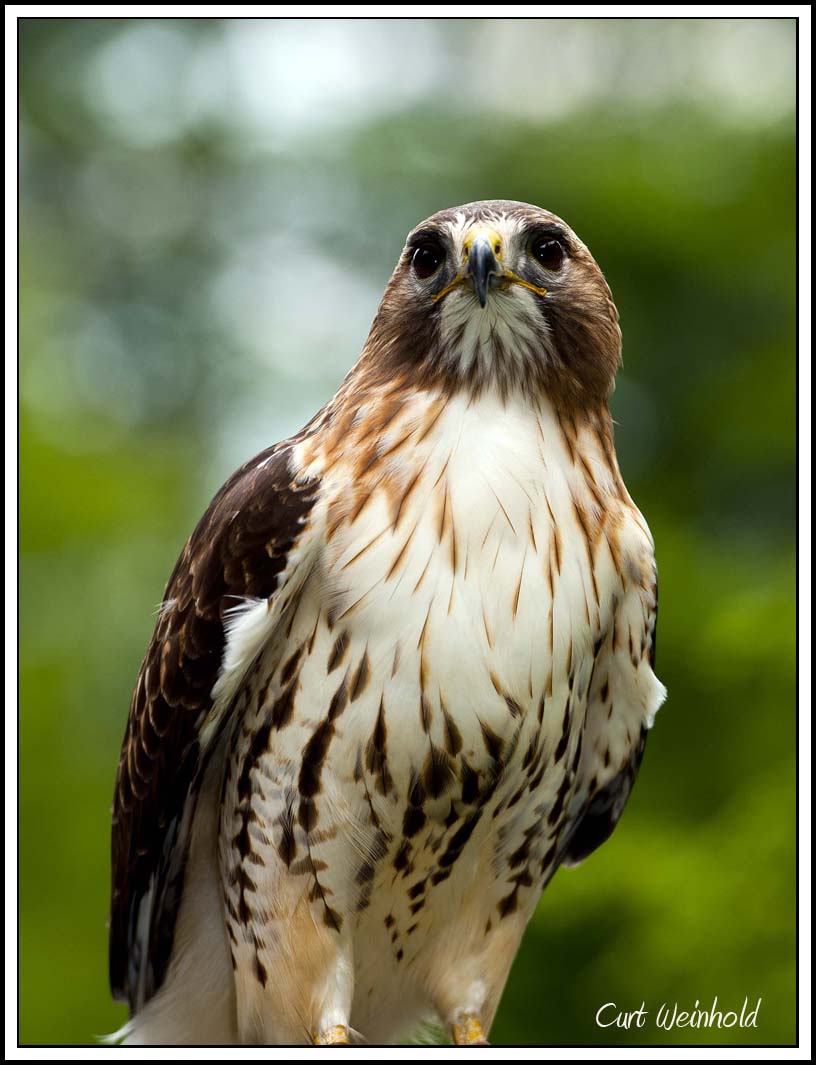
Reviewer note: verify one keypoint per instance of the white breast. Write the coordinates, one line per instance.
(473, 591)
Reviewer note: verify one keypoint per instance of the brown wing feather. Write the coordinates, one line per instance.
(238, 550)
(598, 819)
(597, 823)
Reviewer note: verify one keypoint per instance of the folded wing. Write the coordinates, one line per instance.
(249, 545)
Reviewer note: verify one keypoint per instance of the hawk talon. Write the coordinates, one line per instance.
(335, 1036)
(468, 1032)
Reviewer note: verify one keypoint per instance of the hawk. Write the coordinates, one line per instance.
(402, 672)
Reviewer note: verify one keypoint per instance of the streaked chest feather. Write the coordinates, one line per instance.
(467, 577)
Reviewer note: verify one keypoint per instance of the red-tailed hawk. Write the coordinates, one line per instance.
(402, 671)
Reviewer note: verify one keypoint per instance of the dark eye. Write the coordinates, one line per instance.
(427, 258)
(548, 252)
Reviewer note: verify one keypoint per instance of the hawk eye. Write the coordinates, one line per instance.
(427, 258)
(548, 252)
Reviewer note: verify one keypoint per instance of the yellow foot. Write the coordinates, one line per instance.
(467, 1031)
(336, 1036)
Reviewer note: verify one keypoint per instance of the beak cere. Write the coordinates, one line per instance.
(482, 265)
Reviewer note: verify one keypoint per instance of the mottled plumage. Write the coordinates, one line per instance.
(403, 669)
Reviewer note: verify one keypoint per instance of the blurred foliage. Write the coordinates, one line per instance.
(204, 236)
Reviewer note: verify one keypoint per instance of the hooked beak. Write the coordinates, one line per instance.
(482, 265)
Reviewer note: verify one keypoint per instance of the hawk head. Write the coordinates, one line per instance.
(499, 294)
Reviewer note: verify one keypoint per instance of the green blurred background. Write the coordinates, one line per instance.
(190, 191)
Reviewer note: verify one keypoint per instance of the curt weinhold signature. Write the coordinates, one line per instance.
(670, 1015)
